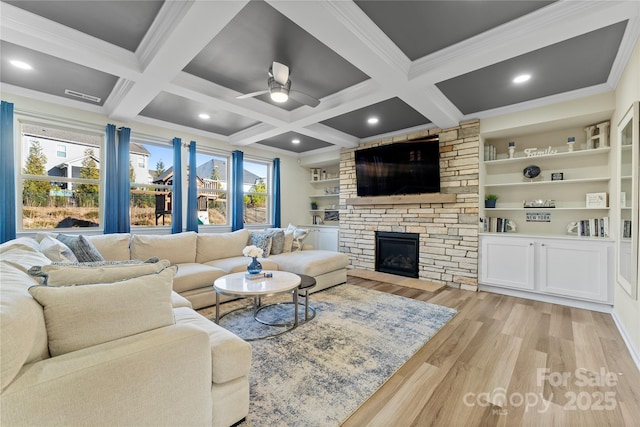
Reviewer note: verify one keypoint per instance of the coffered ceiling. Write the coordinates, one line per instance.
(410, 64)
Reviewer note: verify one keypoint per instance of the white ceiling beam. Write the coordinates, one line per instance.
(181, 30)
(29, 30)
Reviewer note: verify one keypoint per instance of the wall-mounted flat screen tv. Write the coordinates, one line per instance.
(401, 168)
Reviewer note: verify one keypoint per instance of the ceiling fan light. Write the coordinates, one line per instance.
(278, 95)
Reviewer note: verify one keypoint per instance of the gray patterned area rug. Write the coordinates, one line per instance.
(319, 373)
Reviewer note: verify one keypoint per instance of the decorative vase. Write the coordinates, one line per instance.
(490, 203)
(254, 266)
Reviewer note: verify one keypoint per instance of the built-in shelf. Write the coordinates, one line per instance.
(326, 181)
(402, 199)
(560, 182)
(488, 210)
(319, 196)
(523, 159)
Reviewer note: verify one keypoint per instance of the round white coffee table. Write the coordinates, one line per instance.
(238, 285)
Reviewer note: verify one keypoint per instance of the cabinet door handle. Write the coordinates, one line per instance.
(542, 244)
(530, 244)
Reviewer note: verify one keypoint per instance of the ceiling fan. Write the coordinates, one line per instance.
(280, 88)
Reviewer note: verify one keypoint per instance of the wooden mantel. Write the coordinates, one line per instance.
(402, 199)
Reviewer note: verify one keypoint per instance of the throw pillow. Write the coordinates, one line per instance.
(288, 241)
(277, 240)
(298, 236)
(77, 317)
(81, 247)
(55, 250)
(262, 240)
(96, 272)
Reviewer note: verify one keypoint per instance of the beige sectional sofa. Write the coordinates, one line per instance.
(185, 371)
(189, 372)
(203, 257)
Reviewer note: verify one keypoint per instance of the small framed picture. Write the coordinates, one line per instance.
(557, 176)
(596, 200)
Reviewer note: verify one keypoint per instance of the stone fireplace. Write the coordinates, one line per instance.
(446, 223)
(397, 253)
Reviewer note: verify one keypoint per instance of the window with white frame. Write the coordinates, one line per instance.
(59, 193)
(141, 162)
(151, 194)
(61, 150)
(256, 184)
(212, 186)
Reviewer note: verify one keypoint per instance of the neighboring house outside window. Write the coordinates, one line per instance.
(59, 193)
(61, 151)
(257, 192)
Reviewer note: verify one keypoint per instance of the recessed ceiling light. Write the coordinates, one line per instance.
(204, 116)
(522, 78)
(20, 64)
(295, 141)
(372, 120)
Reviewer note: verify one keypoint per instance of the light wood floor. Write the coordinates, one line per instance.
(483, 367)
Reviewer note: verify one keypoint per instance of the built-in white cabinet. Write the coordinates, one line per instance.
(575, 269)
(322, 237)
(567, 270)
(507, 262)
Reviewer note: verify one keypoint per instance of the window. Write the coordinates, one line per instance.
(61, 150)
(211, 179)
(141, 162)
(59, 194)
(151, 196)
(257, 191)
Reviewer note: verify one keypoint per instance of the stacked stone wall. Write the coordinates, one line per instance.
(448, 231)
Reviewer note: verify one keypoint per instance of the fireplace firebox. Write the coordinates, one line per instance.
(397, 253)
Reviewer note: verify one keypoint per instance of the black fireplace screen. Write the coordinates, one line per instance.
(397, 253)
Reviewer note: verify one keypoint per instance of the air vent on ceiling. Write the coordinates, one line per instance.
(82, 95)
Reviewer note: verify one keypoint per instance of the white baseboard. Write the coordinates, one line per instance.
(634, 354)
(571, 302)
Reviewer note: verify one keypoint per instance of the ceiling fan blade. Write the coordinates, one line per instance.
(280, 72)
(252, 94)
(303, 98)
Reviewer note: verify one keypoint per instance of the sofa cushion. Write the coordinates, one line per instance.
(97, 272)
(55, 250)
(230, 355)
(178, 300)
(81, 247)
(112, 247)
(23, 336)
(24, 243)
(212, 246)
(23, 257)
(312, 263)
(178, 248)
(77, 317)
(237, 264)
(194, 276)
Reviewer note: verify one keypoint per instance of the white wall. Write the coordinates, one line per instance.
(294, 179)
(626, 309)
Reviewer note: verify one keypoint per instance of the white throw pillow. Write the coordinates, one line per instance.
(77, 317)
(299, 235)
(57, 251)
